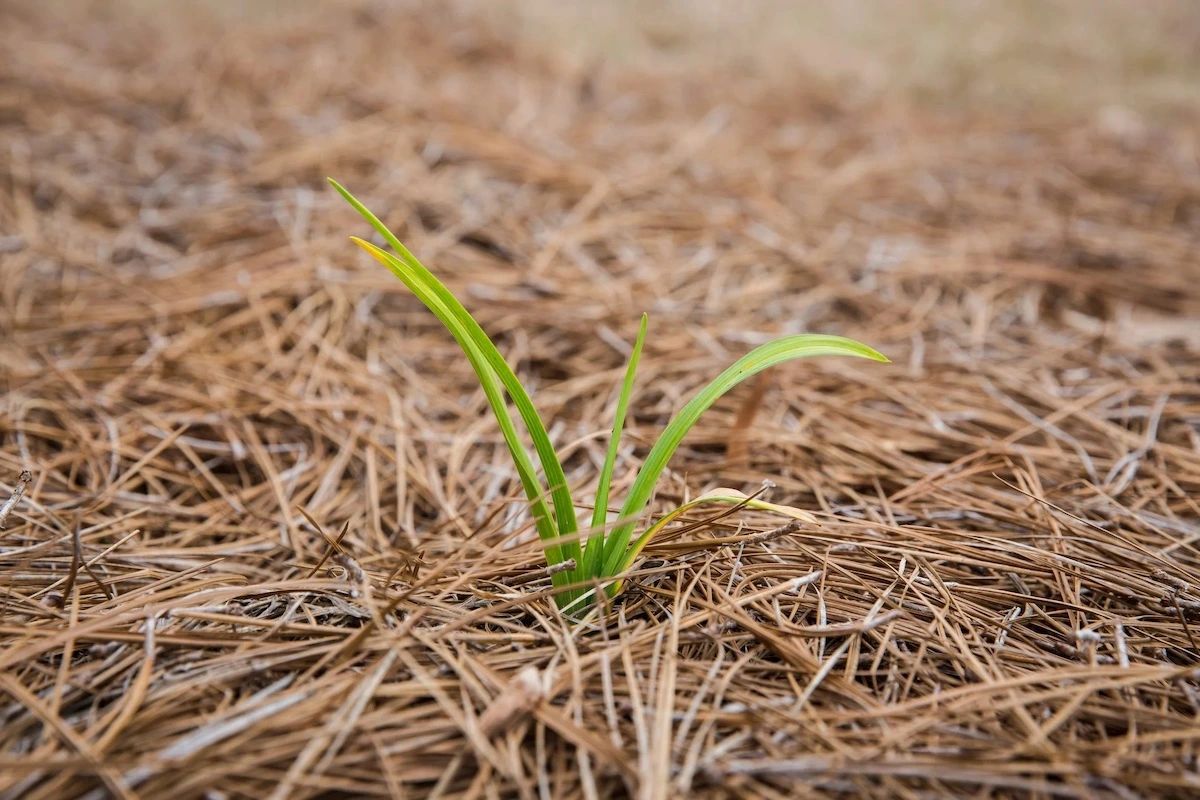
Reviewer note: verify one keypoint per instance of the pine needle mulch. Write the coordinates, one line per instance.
(270, 545)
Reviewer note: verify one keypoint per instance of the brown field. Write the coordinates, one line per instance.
(198, 369)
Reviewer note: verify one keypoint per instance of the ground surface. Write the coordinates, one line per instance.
(1000, 601)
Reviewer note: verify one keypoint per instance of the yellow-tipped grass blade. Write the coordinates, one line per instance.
(732, 496)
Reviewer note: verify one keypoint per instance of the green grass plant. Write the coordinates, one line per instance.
(610, 548)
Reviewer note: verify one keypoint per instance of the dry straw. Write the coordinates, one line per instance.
(1001, 599)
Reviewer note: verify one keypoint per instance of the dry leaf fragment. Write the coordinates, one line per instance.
(517, 700)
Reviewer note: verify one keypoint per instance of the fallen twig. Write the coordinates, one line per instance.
(18, 492)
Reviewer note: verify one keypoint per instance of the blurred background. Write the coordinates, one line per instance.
(1059, 56)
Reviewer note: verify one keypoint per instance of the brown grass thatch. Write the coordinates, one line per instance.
(199, 371)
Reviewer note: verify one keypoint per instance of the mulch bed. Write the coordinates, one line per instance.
(209, 385)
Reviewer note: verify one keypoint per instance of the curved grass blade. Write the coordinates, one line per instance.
(593, 553)
(611, 585)
(495, 397)
(715, 496)
(767, 355)
(560, 493)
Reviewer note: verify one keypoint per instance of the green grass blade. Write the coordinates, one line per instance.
(767, 355)
(593, 554)
(492, 390)
(560, 493)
